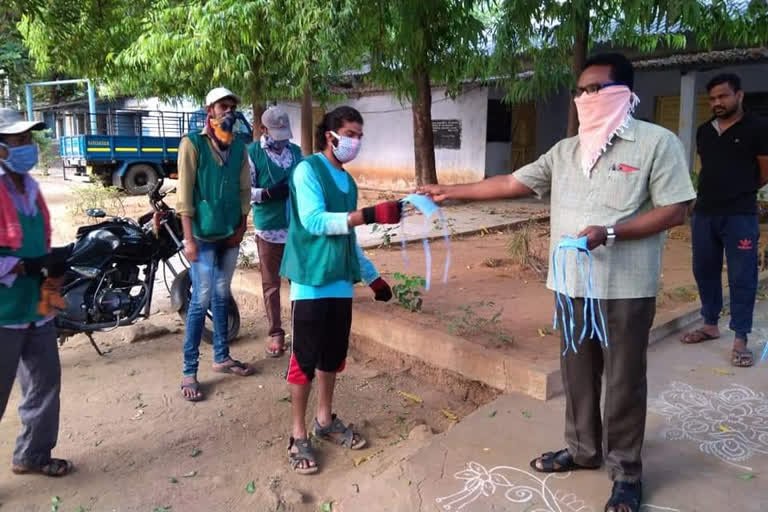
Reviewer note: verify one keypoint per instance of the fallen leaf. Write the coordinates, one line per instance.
(138, 414)
(220, 414)
(80, 509)
(543, 332)
(449, 414)
(173, 480)
(724, 429)
(326, 507)
(722, 371)
(284, 399)
(492, 414)
(55, 500)
(747, 476)
(97, 443)
(190, 474)
(526, 413)
(251, 487)
(195, 452)
(359, 460)
(413, 398)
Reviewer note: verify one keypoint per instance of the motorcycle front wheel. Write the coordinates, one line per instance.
(181, 294)
(233, 322)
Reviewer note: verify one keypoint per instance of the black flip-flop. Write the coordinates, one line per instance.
(236, 364)
(562, 458)
(628, 494)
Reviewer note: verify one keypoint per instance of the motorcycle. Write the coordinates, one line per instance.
(112, 269)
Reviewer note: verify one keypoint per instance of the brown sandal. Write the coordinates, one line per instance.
(54, 468)
(742, 358)
(697, 336)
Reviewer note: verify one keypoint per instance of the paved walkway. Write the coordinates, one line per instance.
(459, 219)
(706, 446)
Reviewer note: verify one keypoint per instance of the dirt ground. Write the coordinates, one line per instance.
(138, 446)
(493, 300)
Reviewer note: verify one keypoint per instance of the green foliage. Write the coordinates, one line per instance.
(445, 38)
(408, 291)
(540, 36)
(387, 233)
(96, 195)
(478, 318)
(44, 141)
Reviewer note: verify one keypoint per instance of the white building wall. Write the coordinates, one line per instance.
(386, 159)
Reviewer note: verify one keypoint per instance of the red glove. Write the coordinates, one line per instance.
(381, 289)
(388, 212)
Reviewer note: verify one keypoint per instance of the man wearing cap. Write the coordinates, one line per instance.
(213, 201)
(272, 159)
(28, 347)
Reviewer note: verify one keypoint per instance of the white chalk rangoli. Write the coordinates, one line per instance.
(518, 486)
(731, 424)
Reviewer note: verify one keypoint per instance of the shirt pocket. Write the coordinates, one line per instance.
(624, 191)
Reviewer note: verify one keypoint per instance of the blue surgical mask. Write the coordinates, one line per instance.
(275, 145)
(20, 159)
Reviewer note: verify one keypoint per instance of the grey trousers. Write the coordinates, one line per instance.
(32, 355)
(618, 437)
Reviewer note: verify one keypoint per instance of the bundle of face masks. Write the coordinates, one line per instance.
(564, 311)
(429, 209)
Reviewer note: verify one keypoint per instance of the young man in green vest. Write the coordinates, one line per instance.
(28, 349)
(323, 262)
(272, 160)
(214, 196)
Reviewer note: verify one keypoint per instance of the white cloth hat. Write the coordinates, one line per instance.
(219, 94)
(276, 120)
(13, 123)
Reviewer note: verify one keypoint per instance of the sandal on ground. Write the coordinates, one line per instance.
(236, 368)
(742, 358)
(54, 468)
(194, 387)
(303, 453)
(557, 462)
(348, 437)
(697, 336)
(625, 497)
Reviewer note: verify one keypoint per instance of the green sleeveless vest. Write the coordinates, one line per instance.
(217, 191)
(270, 215)
(18, 303)
(320, 260)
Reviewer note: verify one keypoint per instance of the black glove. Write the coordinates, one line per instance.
(381, 290)
(279, 191)
(34, 266)
(56, 268)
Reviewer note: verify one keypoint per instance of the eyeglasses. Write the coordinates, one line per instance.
(592, 88)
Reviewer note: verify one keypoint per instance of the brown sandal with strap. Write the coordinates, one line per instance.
(742, 358)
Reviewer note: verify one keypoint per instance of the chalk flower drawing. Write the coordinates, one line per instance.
(532, 491)
(731, 424)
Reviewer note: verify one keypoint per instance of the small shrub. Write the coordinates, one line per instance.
(478, 318)
(96, 195)
(521, 250)
(44, 141)
(407, 291)
(386, 236)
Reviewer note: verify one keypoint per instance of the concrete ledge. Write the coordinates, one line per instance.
(443, 351)
(435, 348)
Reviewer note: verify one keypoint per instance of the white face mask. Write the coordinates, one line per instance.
(347, 148)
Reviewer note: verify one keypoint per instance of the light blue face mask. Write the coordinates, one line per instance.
(20, 159)
(564, 305)
(428, 208)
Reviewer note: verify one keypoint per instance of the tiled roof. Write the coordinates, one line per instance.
(731, 56)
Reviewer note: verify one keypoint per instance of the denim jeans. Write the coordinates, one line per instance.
(211, 279)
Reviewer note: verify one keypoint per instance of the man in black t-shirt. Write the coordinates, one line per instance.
(733, 147)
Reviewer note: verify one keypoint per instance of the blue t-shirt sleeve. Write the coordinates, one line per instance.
(368, 272)
(311, 205)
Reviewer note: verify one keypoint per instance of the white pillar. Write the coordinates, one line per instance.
(687, 127)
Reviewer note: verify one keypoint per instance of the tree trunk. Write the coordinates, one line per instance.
(306, 120)
(423, 140)
(580, 47)
(257, 108)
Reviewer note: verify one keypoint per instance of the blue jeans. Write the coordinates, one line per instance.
(211, 278)
(737, 235)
